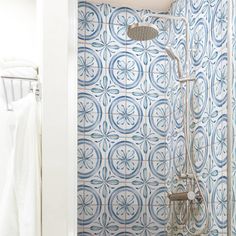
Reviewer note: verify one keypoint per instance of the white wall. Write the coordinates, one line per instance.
(18, 29)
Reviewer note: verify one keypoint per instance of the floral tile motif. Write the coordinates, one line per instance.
(132, 112)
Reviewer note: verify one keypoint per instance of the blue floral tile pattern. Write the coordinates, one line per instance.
(131, 141)
(219, 141)
(125, 160)
(89, 66)
(219, 84)
(199, 95)
(199, 148)
(125, 115)
(89, 159)
(160, 116)
(90, 21)
(89, 112)
(219, 23)
(159, 73)
(125, 64)
(199, 41)
(158, 206)
(89, 205)
(125, 205)
(160, 161)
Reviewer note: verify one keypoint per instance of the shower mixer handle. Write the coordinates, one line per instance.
(184, 196)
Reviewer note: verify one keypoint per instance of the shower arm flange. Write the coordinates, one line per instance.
(184, 19)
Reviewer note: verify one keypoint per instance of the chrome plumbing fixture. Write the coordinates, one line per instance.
(184, 196)
(146, 31)
(142, 31)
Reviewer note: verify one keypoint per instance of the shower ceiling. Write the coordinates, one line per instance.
(155, 5)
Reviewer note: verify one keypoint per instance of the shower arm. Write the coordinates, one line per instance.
(184, 19)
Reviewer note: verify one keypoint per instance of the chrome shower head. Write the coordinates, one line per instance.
(142, 31)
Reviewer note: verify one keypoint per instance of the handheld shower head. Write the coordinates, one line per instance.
(174, 57)
(171, 54)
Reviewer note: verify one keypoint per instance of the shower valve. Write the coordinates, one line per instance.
(184, 196)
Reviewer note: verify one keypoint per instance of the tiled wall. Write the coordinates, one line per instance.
(130, 120)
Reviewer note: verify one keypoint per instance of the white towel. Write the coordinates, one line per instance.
(20, 203)
(25, 72)
(12, 63)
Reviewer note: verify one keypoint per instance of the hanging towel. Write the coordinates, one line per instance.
(14, 62)
(20, 203)
(6, 144)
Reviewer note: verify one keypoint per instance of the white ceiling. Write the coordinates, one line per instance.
(155, 5)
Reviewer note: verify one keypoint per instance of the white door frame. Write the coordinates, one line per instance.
(58, 49)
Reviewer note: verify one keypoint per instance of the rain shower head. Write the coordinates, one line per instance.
(142, 31)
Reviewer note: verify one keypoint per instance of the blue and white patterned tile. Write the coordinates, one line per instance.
(145, 183)
(89, 77)
(125, 160)
(95, 12)
(126, 70)
(159, 73)
(219, 23)
(145, 51)
(125, 115)
(103, 225)
(119, 21)
(179, 10)
(105, 182)
(103, 44)
(104, 90)
(90, 21)
(90, 113)
(199, 149)
(219, 202)
(158, 207)
(144, 94)
(163, 38)
(89, 66)
(199, 41)
(196, 6)
(199, 96)
(178, 107)
(125, 205)
(104, 135)
(93, 33)
(179, 158)
(89, 205)
(144, 225)
(159, 117)
(160, 162)
(145, 138)
(219, 141)
(219, 81)
(90, 159)
(159, 123)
